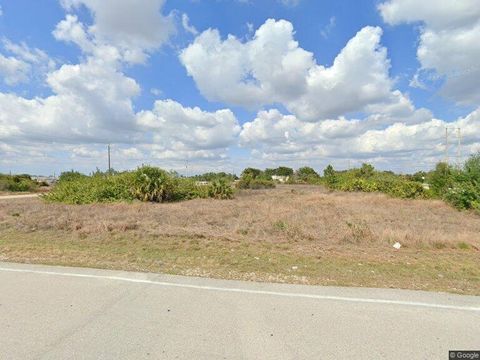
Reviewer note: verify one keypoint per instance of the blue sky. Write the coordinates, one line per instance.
(225, 84)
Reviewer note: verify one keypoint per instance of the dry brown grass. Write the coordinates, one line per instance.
(292, 233)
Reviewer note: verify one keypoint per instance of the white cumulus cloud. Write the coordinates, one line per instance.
(184, 132)
(272, 68)
(133, 29)
(275, 136)
(448, 42)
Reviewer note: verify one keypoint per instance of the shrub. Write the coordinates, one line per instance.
(419, 176)
(146, 184)
(464, 195)
(98, 188)
(359, 185)
(153, 184)
(211, 176)
(441, 179)
(187, 189)
(17, 183)
(220, 189)
(472, 168)
(248, 182)
(400, 188)
(71, 175)
(366, 179)
(21, 185)
(458, 187)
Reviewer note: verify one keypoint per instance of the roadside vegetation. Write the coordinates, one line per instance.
(292, 233)
(18, 183)
(459, 187)
(147, 184)
(357, 227)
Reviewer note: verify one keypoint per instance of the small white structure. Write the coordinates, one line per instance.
(281, 179)
(50, 180)
(201, 183)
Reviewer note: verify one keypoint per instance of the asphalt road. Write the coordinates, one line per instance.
(70, 313)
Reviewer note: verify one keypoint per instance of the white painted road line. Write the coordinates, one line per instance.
(94, 313)
(249, 291)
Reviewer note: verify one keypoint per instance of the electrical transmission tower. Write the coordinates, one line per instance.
(459, 147)
(458, 160)
(446, 145)
(109, 163)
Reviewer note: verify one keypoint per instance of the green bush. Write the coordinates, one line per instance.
(153, 184)
(145, 184)
(92, 189)
(362, 185)
(472, 169)
(367, 179)
(247, 181)
(458, 187)
(17, 183)
(211, 176)
(441, 179)
(71, 175)
(464, 195)
(188, 189)
(220, 189)
(400, 188)
(21, 185)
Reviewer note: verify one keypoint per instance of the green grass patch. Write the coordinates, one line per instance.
(440, 270)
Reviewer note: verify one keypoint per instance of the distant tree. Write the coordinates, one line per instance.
(330, 175)
(472, 168)
(70, 175)
(305, 173)
(329, 171)
(441, 178)
(252, 172)
(419, 176)
(268, 173)
(284, 171)
(366, 170)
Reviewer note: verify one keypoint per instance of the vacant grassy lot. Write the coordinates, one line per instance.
(298, 234)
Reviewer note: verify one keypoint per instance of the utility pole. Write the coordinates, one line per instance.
(109, 163)
(459, 148)
(446, 145)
